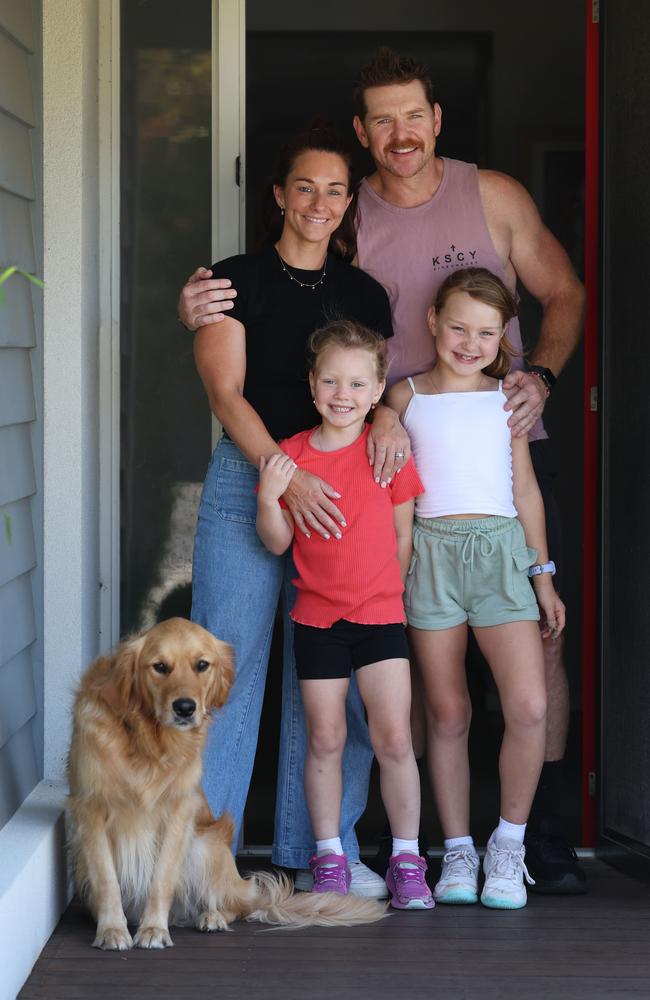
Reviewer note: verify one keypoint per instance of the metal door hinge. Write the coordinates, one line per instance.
(595, 11)
(593, 399)
(591, 784)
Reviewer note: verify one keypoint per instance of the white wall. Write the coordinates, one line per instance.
(71, 319)
(33, 877)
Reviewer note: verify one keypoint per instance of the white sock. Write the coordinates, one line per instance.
(452, 842)
(405, 847)
(509, 831)
(330, 846)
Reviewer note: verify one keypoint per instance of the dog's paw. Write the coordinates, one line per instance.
(113, 939)
(211, 920)
(152, 937)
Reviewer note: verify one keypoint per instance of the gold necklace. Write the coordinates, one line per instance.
(303, 284)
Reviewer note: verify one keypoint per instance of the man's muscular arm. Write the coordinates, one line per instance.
(532, 254)
(204, 300)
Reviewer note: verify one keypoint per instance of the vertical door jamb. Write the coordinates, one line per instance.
(109, 135)
(591, 480)
(228, 144)
(228, 133)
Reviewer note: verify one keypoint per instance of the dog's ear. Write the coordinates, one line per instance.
(222, 675)
(118, 684)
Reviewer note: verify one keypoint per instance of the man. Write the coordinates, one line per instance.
(420, 216)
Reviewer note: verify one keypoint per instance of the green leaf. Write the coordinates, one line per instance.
(8, 270)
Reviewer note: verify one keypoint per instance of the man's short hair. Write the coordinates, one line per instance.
(385, 67)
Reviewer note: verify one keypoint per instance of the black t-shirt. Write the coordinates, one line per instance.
(279, 316)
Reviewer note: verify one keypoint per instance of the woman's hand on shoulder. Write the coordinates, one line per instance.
(309, 499)
(389, 447)
(276, 473)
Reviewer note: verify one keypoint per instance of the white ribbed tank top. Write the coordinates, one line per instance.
(462, 449)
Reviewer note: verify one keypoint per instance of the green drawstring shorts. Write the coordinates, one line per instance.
(473, 571)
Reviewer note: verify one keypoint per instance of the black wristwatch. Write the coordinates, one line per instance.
(545, 374)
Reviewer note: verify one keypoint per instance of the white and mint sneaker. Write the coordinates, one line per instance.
(505, 871)
(458, 882)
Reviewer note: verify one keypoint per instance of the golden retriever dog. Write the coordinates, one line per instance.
(144, 843)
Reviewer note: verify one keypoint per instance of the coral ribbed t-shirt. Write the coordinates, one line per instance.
(358, 577)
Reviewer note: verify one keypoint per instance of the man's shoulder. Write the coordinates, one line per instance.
(499, 189)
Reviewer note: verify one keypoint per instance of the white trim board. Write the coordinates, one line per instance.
(34, 888)
(70, 364)
(109, 323)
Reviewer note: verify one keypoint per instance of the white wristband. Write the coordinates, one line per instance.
(540, 568)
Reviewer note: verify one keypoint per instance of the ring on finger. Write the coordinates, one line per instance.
(399, 454)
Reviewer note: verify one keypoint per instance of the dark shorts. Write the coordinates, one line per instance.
(327, 653)
(542, 455)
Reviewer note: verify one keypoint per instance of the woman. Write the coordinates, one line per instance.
(252, 365)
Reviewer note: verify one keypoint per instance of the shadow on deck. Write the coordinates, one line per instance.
(590, 946)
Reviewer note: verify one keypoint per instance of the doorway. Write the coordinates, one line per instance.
(304, 65)
(502, 108)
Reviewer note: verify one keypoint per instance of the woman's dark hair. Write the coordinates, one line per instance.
(321, 137)
(486, 287)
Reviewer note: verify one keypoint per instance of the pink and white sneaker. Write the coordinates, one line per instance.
(331, 873)
(406, 883)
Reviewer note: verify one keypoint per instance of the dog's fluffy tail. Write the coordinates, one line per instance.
(277, 904)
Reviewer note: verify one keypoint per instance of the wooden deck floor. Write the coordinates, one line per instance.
(591, 946)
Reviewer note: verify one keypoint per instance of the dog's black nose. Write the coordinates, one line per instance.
(184, 707)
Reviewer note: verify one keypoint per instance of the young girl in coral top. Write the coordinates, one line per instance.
(479, 535)
(349, 613)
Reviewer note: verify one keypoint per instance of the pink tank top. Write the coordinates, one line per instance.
(412, 250)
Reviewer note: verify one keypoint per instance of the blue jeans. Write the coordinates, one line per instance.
(236, 586)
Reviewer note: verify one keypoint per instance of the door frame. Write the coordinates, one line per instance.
(591, 470)
(109, 136)
(629, 854)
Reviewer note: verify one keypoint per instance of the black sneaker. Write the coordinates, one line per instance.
(380, 861)
(553, 863)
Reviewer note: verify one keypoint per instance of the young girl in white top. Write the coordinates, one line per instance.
(348, 614)
(479, 534)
